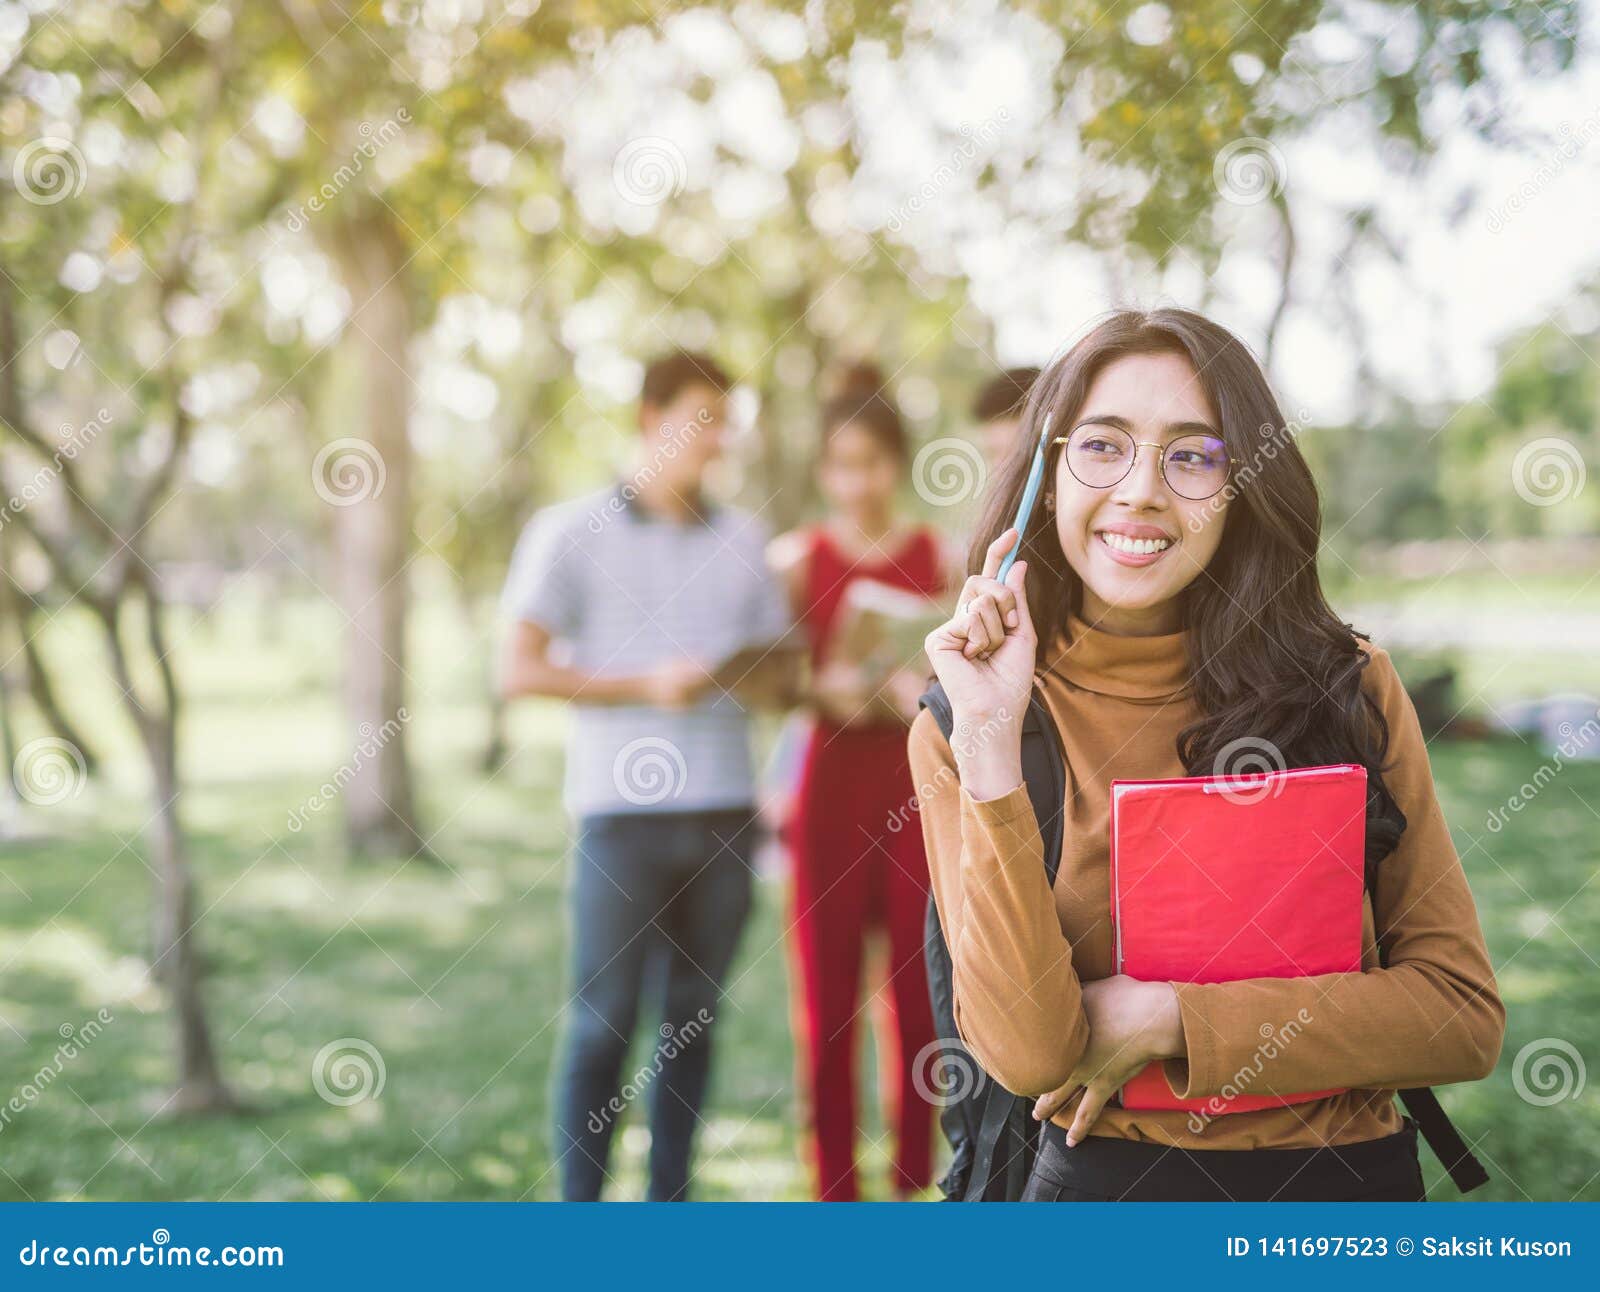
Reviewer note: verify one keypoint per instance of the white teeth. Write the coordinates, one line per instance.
(1134, 546)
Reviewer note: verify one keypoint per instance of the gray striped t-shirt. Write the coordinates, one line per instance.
(622, 590)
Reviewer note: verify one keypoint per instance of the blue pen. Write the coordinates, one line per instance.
(1030, 495)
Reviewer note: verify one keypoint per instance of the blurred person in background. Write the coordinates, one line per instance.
(997, 411)
(646, 605)
(857, 851)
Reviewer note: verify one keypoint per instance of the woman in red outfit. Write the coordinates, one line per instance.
(857, 848)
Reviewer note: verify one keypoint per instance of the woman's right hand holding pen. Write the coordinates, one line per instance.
(984, 656)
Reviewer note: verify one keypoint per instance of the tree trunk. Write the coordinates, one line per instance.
(8, 751)
(8, 732)
(175, 957)
(1286, 264)
(496, 747)
(372, 528)
(176, 961)
(179, 963)
(496, 744)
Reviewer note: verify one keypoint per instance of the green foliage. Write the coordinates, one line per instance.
(1455, 472)
(239, 140)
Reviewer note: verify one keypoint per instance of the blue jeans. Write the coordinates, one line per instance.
(658, 901)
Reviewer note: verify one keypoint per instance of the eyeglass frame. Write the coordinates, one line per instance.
(1161, 463)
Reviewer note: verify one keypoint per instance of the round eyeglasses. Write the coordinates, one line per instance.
(1193, 466)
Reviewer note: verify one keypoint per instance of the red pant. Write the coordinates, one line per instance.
(859, 865)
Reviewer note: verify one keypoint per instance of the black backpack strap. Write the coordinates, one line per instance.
(1044, 772)
(1384, 829)
(1044, 767)
(992, 1134)
(936, 702)
(1466, 1172)
(1423, 1106)
(1020, 1148)
(992, 1127)
(1435, 1126)
(956, 1118)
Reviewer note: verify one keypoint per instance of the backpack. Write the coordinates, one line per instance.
(992, 1134)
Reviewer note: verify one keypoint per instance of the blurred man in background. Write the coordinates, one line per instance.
(998, 412)
(648, 605)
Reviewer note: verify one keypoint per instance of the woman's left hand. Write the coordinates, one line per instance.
(1131, 1023)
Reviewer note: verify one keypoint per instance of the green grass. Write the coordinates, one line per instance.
(455, 973)
(1534, 882)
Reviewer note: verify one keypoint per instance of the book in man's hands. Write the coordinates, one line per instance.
(1218, 879)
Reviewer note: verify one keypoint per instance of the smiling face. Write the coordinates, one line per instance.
(1137, 544)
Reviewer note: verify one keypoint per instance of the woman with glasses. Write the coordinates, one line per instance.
(1166, 604)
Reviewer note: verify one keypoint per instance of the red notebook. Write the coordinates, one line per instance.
(1214, 879)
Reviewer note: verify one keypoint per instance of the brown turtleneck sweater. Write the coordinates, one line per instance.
(1020, 951)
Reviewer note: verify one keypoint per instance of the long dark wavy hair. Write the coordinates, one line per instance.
(1269, 660)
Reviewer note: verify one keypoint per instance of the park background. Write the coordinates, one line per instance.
(305, 307)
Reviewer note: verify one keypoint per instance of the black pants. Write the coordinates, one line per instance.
(658, 902)
(1113, 1170)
